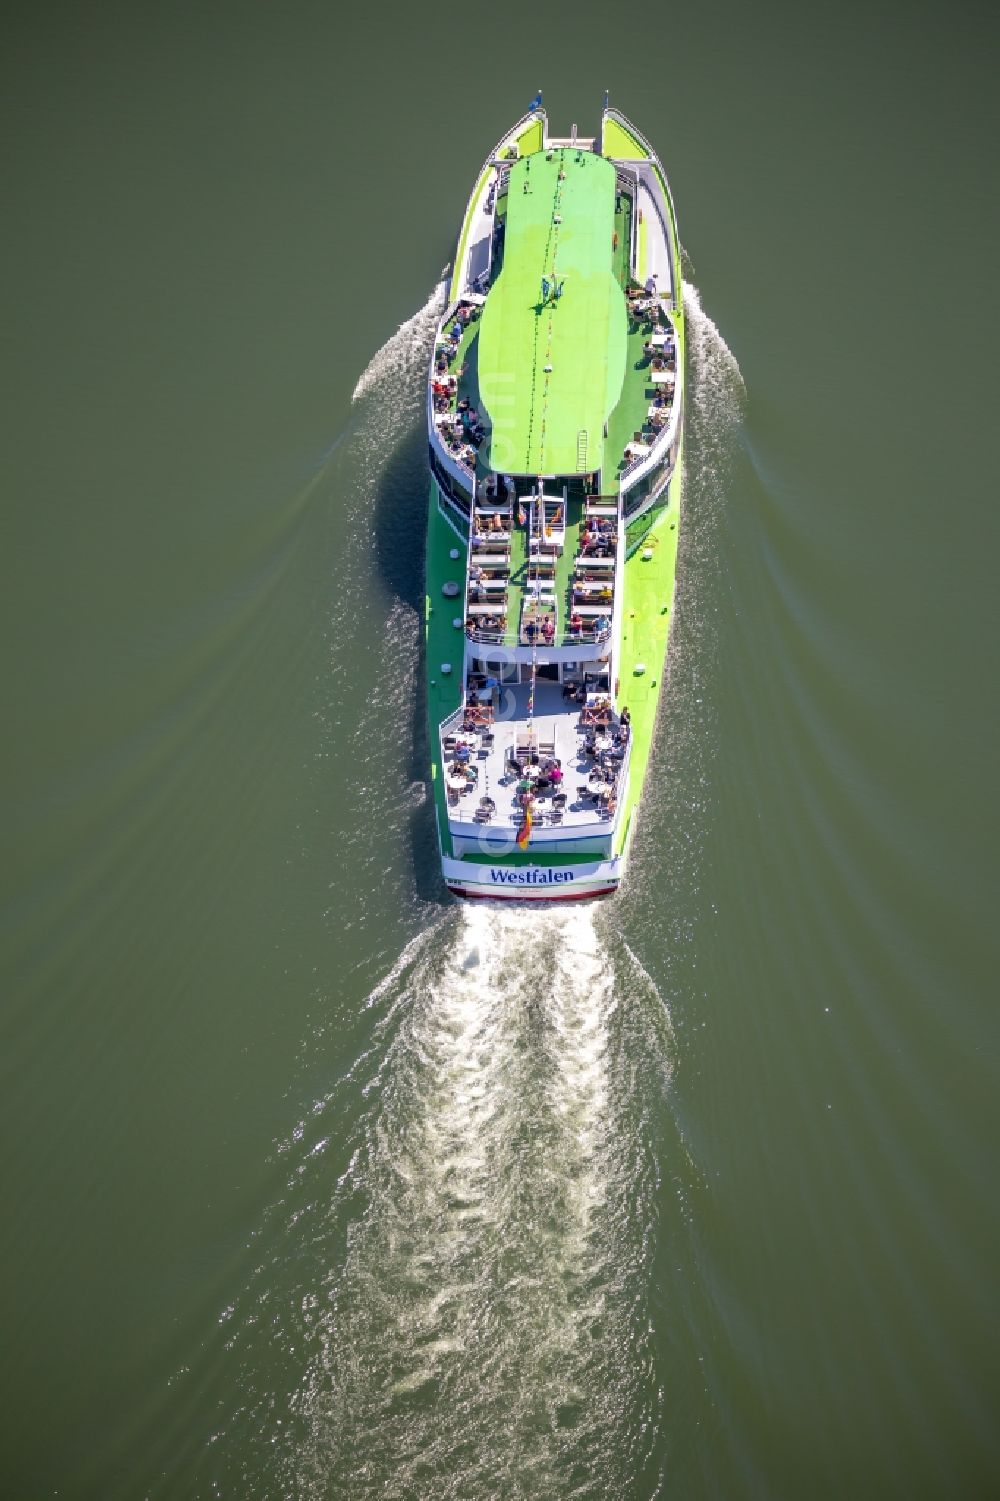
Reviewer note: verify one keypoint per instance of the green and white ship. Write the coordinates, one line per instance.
(555, 418)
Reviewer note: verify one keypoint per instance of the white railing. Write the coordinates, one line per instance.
(662, 443)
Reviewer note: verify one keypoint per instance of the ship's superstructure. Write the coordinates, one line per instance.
(555, 405)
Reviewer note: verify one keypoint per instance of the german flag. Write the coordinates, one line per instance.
(524, 831)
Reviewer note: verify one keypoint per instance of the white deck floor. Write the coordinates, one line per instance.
(556, 722)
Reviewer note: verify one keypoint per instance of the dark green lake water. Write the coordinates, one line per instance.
(314, 1185)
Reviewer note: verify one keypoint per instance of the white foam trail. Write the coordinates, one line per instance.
(409, 346)
(706, 345)
(464, 1308)
(499, 1233)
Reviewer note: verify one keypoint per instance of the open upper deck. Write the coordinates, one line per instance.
(553, 338)
(563, 339)
(569, 759)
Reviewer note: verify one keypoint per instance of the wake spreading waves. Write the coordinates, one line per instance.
(485, 1327)
(408, 349)
(716, 401)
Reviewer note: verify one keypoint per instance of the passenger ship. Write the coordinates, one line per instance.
(555, 406)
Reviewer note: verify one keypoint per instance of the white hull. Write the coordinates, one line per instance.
(532, 883)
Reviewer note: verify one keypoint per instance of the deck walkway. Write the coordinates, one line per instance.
(566, 563)
(632, 410)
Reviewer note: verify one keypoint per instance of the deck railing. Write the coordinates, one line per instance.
(584, 637)
(484, 637)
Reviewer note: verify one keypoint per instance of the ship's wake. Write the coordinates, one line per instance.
(407, 352)
(486, 1323)
(717, 398)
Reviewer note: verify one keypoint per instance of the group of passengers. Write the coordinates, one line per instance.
(472, 427)
(463, 767)
(477, 716)
(578, 625)
(609, 754)
(489, 526)
(606, 757)
(546, 632)
(463, 436)
(599, 538)
(480, 579)
(644, 302)
(497, 623)
(461, 449)
(443, 389)
(448, 348)
(663, 357)
(535, 777)
(600, 526)
(660, 409)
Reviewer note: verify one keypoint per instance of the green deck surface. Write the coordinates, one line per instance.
(530, 138)
(518, 579)
(445, 643)
(565, 564)
(622, 252)
(537, 415)
(621, 143)
(647, 604)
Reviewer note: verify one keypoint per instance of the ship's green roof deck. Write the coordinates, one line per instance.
(551, 375)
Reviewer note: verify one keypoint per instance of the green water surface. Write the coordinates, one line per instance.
(312, 1184)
